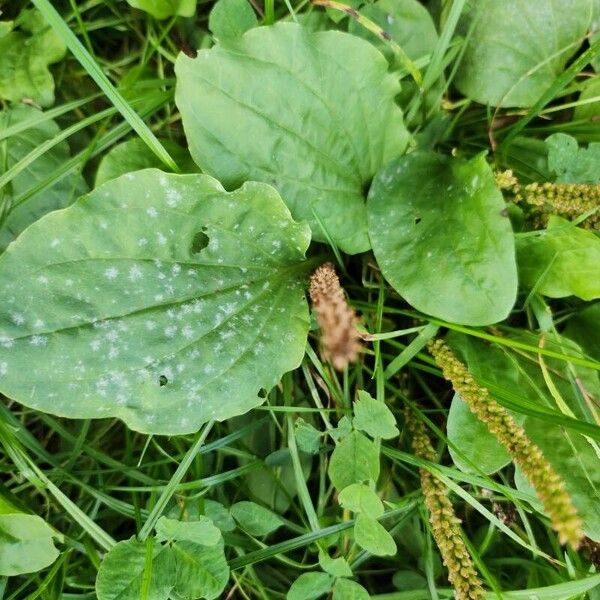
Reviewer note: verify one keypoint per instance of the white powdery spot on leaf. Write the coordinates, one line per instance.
(38, 340)
(152, 212)
(135, 273)
(18, 318)
(111, 273)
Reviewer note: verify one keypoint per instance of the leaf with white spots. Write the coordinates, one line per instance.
(159, 299)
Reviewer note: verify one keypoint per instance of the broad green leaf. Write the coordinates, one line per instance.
(202, 531)
(26, 544)
(561, 260)
(322, 106)
(159, 299)
(201, 571)
(584, 328)
(360, 498)
(134, 155)
(518, 48)
(229, 19)
(354, 459)
(15, 148)
(255, 519)
(571, 163)
(372, 536)
(344, 589)
(338, 567)
(162, 9)
(408, 23)
(374, 417)
(24, 58)
(463, 272)
(310, 586)
(308, 437)
(125, 571)
(219, 515)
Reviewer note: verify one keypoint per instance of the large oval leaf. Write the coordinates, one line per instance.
(517, 48)
(442, 239)
(159, 299)
(311, 113)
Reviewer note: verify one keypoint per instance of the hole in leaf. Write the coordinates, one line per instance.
(162, 380)
(262, 393)
(417, 220)
(199, 242)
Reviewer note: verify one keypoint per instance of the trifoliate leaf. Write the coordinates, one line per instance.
(344, 589)
(310, 586)
(159, 299)
(372, 536)
(308, 437)
(338, 567)
(571, 163)
(202, 531)
(374, 417)
(200, 571)
(125, 570)
(354, 459)
(219, 515)
(360, 498)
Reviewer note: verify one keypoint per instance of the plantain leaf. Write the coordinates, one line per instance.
(311, 113)
(159, 299)
(464, 271)
(517, 48)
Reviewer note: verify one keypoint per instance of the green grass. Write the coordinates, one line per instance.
(97, 482)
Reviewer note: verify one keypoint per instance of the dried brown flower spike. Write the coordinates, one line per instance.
(445, 525)
(538, 471)
(340, 338)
